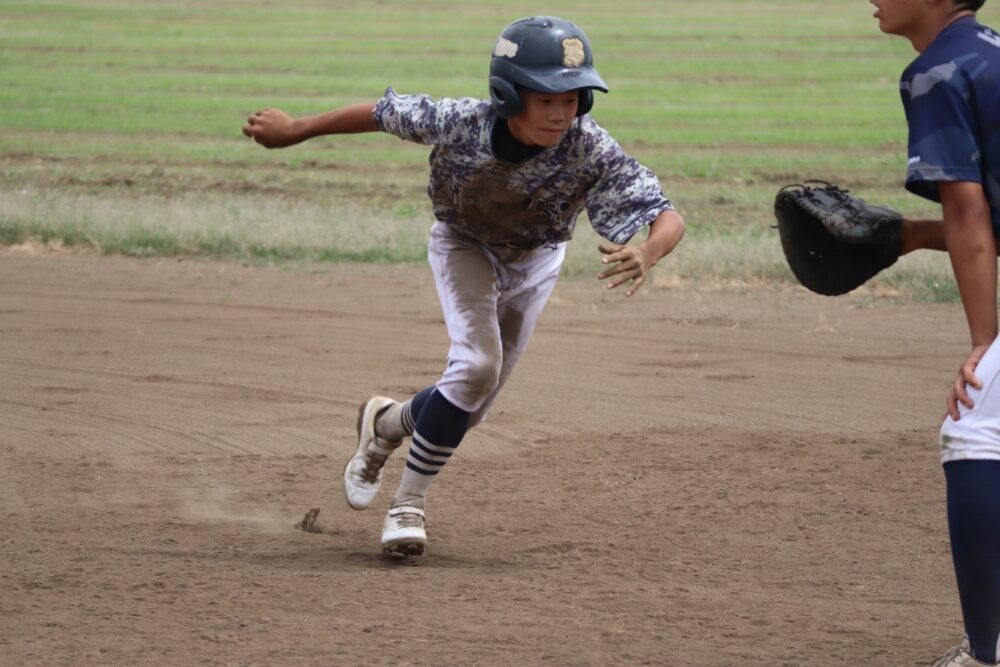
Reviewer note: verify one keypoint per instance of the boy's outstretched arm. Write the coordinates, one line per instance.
(633, 262)
(273, 128)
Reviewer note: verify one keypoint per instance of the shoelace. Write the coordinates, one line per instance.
(409, 520)
(373, 466)
(956, 652)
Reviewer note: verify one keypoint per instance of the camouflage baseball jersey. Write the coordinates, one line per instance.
(532, 203)
(951, 95)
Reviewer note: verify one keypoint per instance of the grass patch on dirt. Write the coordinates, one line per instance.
(269, 230)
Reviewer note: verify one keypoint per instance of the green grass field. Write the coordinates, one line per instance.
(120, 122)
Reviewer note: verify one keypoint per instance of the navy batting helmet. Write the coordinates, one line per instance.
(545, 54)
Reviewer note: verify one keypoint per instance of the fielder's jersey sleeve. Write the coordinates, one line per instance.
(952, 105)
(942, 142)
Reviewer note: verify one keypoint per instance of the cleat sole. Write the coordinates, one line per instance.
(403, 550)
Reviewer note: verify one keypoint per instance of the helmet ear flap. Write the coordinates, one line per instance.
(504, 97)
(585, 102)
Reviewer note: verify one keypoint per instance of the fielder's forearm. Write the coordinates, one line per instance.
(922, 235)
(972, 249)
(345, 120)
(664, 234)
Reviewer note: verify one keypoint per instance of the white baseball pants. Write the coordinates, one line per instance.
(976, 435)
(491, 298)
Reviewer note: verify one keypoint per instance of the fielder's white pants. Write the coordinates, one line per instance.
(976, 435)
(491, 298)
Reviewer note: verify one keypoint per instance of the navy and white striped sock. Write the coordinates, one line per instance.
(439, 430)
(399, 419)
(412, 408)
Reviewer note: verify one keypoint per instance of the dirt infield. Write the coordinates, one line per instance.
(688, 478)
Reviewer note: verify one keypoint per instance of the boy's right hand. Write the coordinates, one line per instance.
(271, 128)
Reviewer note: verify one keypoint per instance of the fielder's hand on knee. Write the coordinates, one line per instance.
(629, 263)
(966, 377)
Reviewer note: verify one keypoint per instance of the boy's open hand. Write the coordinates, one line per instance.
(271, 128)
(630, 262)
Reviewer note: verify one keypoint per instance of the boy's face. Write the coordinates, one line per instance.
(903, 17)
(545, 117)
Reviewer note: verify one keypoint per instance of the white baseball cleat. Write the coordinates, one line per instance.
(959, 656)
(363, 472)
(403, 532)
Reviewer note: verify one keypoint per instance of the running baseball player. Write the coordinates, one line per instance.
(508, 178)
(951, 95)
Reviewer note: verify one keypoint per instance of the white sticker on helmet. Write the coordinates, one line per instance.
(505, 48)
(573, 55)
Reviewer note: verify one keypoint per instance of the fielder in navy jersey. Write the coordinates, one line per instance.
(951, 96)
(509, 177)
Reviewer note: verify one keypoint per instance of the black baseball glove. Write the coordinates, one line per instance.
(835, 242)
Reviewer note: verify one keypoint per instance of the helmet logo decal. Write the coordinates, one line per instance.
(505, 48)
(572, 52)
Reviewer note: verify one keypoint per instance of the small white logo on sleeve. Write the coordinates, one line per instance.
(990, 37)
(505, 48)
(913, 160)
